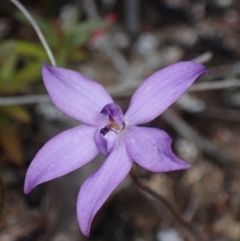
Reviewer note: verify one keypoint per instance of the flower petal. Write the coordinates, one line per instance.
(151, 149)
(98, 187)
(62, 154)
(106, 142)
(161, 90)
(114, 112)
(76, 95)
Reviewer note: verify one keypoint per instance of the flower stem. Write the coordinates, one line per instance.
(37, 29)
(177, 217)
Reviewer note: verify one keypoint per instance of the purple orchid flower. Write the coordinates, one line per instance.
(109, 131)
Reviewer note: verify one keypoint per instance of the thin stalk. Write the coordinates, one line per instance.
(177, 217)
(37, 29)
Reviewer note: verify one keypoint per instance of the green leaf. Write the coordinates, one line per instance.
(70, 18)
(30, 49)
(16, 113)
(45, 25)
(7, 68)
(75, 55)
(62, 57)
(6, 47)
(28, 74)
(76, 37)
(76, 40)
(10, 142)
(90, 26)
(42, 22)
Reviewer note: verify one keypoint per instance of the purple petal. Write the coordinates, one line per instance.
(76, 95)
(161, 90)
(62, 154)
(151, 149)
(105, 142)
(115, 112)
(98, 187)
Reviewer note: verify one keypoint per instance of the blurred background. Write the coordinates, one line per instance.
(119, 43)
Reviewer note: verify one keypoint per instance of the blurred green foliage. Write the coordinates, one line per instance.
(66, 35)
(21, 62)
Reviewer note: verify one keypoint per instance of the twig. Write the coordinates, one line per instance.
(104, 44)
(23, 100)
(221, 71)
(203, 58)
(221, 114)
(192, 207)
(187, 226)
(221, 157)
(37, 29)
(132, 12)
(125, 90)
(216, 85)
(117, 91)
